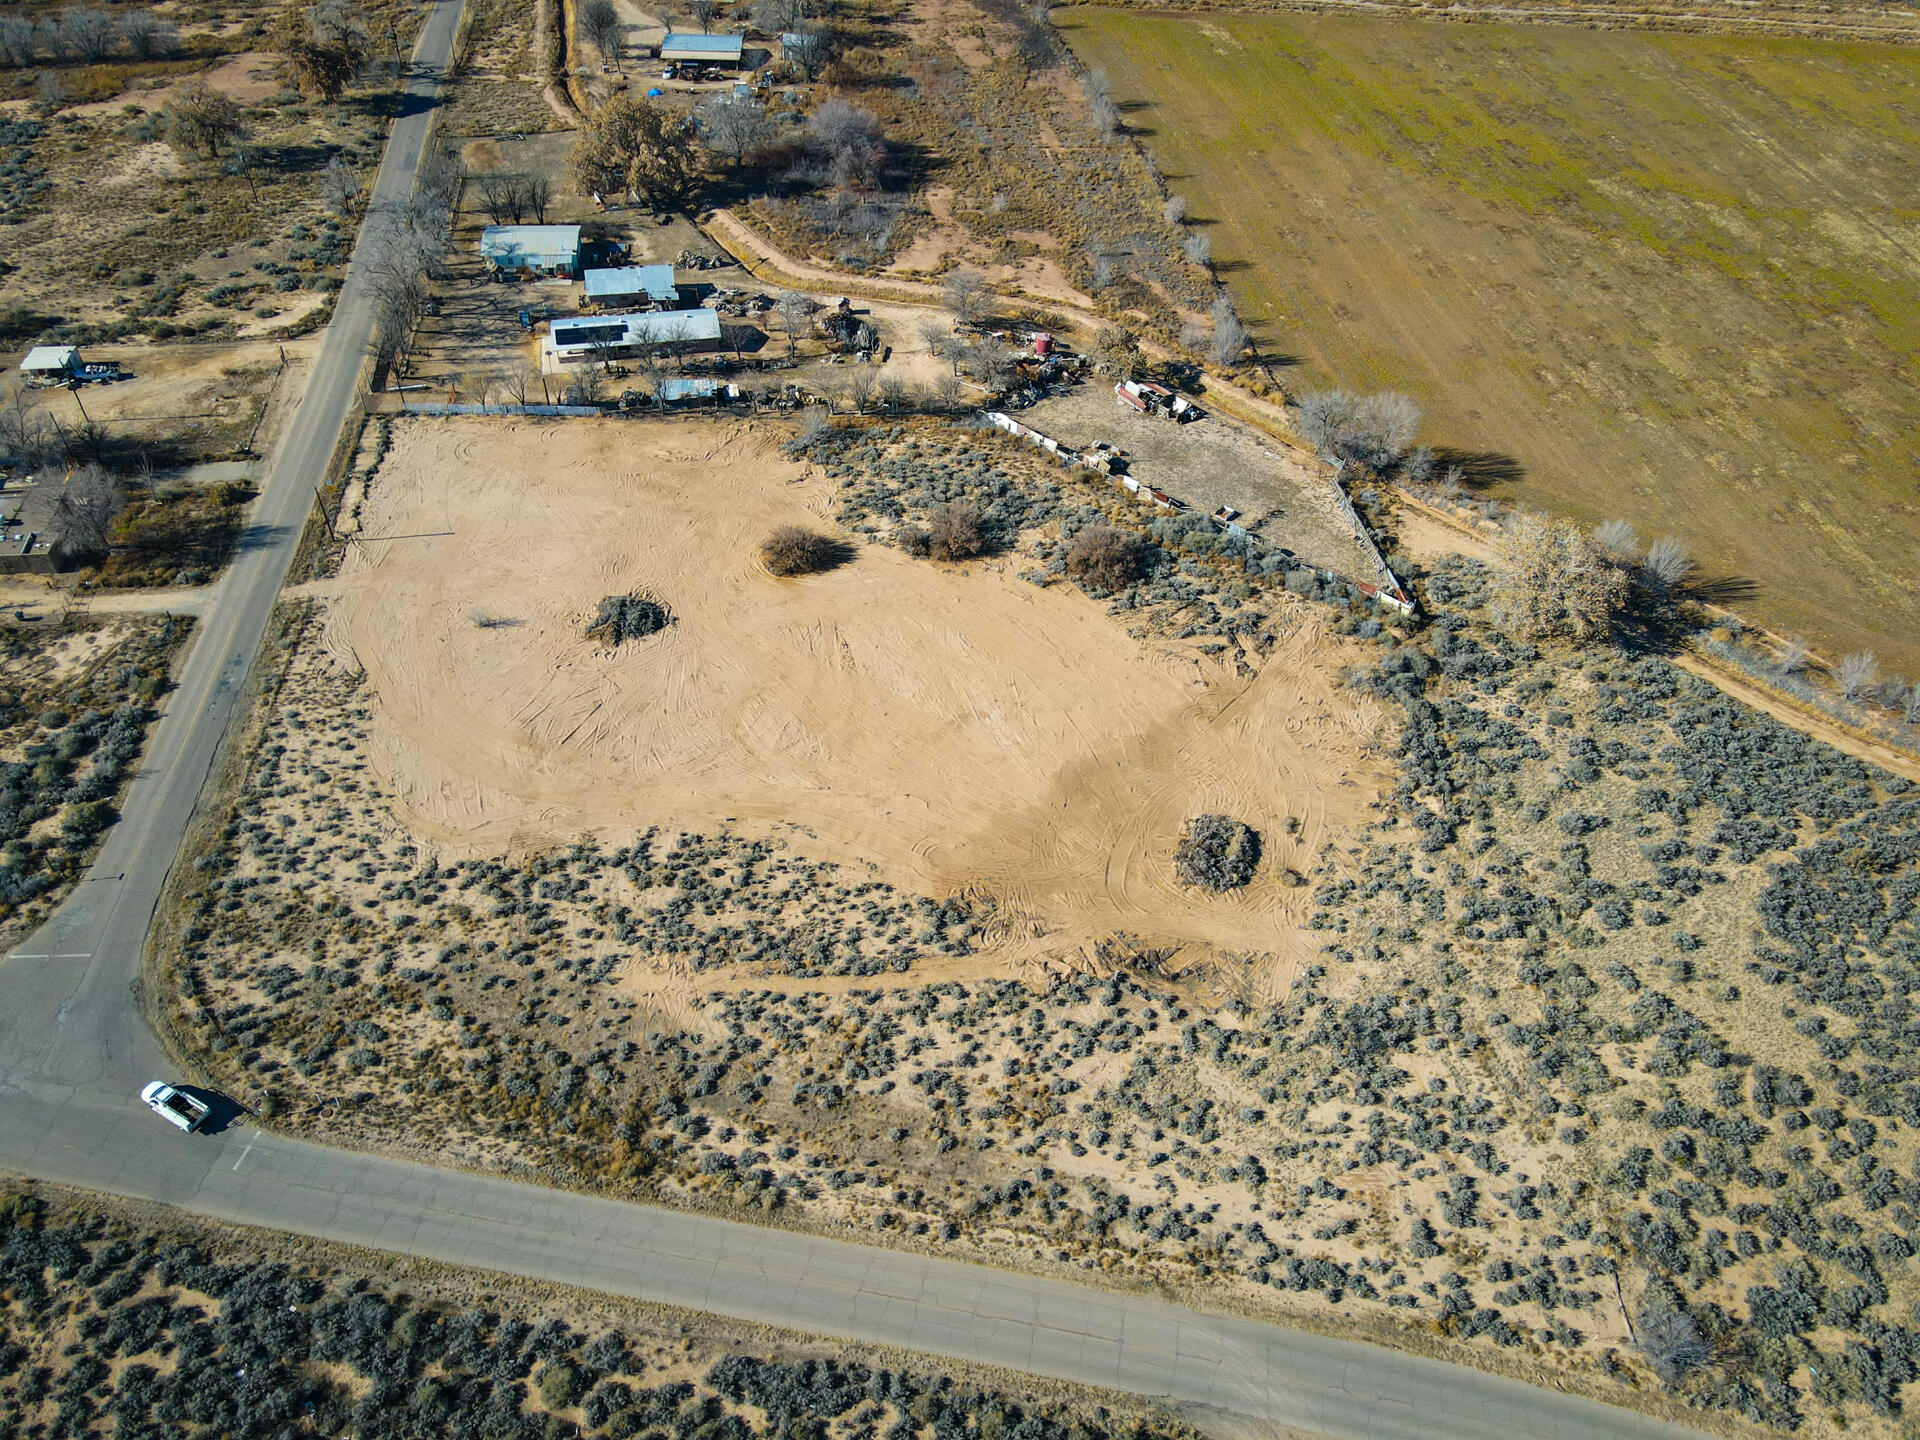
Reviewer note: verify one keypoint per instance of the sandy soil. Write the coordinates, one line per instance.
(957, 728)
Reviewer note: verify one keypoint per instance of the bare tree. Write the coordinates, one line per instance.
(1230, 336)
(1670, 1341)
(1554, 581)
(860, 389)
(1857, 674)
(1910, 704)
(19, 41)
(947, 390)
(536, 187)
(701, 12)
(340, 188)
(966, 297)
(601, 27)
(1617, 541)
(324, 45)
(894, 394)
(27, 436)
(848, 142)
(1175, 210)
(1667, 563)
(1101, 109)
(734, 127)
(518, 381)
(83, 511)
(811, 47)
(793, 308)
(1372, 430)
(87, 34)
(1199, 250)
(147, 36)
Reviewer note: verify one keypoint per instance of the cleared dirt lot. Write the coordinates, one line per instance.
(955, 727)
(1214, 462)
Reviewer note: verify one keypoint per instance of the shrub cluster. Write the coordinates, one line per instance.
(629, 617)
(792, 550)
(1217, 853)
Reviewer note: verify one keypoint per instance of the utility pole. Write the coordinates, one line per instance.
(325, 519)
(75, 386)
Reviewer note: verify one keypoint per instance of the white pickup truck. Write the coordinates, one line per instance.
(176, 1107)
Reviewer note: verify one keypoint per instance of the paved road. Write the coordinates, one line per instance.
(73, 1052)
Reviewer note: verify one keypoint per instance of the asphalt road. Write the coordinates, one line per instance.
(74, 1052)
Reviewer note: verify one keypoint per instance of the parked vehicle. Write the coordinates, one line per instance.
(175, 1106)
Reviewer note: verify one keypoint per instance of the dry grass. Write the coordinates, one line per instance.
(1653, 295)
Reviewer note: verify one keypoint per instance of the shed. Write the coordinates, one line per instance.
(681, 48)
(631, 285)
(50, 364)
(532, 249)
(587, 338)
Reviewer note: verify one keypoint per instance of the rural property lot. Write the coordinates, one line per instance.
(957, 727)
(1660, 277)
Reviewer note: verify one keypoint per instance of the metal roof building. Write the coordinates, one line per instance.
(50, 362)
(702, 49)
(534, 249)
(630, 282)
(617, 337)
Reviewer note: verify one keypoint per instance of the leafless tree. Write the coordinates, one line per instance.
(1370, 430)
(83, 511)
(1198, 249)
(27, 436)
(811, 47)
(1910, 704)
(895, 394)
(701, 12)
(1101, 109)
(87, 34)
(537, 187)
(601, 27)
(1229, 335)
(848, 143)
(340, 188)
(947, 390)
(793, 308)
(1175, 210)
(860, 389)
(966, 297)
(19, 41)
(147, 36)
(734, 127)
(1617, 541)
(518, 381)
(1793, 656)
(778, 17)
(1667, 563)
(1857, 674)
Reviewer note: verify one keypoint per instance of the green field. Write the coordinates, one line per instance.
(1670, 278)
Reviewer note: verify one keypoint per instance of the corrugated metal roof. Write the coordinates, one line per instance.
(525, 241)
(654, 327)
(652, 280)
(51, 357)
(675, 46)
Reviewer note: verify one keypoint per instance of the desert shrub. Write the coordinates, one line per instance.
(794, 550)
(915, 540)
(955, 533)
(1106, 557)
(629, 617)
(1670, 1340)
(1217, 853)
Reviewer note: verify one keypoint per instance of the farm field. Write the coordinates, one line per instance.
(1666, 278)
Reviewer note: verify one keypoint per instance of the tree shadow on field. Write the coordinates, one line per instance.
(1723, 590)
(1479, 469)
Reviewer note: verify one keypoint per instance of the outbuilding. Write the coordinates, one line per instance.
(584, 339)
(531, 250)
(631, 285)
(687, 49)
(51, 364)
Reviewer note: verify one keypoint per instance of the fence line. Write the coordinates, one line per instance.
(1390, 593)
(432, 407)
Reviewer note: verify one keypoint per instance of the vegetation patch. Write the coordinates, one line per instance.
(1217, 853)
(629, 617)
